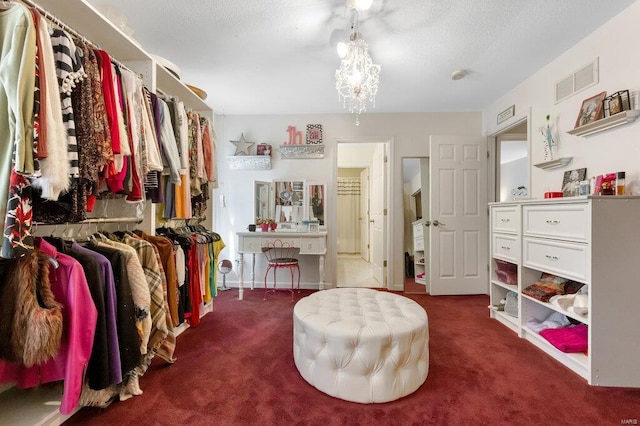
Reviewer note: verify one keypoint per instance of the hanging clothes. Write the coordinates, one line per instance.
(17, 53)
(70, 288)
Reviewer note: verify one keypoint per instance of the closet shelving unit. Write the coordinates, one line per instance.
(40, 406)
(588, 239)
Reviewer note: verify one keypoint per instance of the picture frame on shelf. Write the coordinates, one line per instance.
(263, 149)
(591, 110)
(571, 181)
(616, 103)
(313, 227)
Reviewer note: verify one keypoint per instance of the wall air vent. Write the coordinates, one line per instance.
(577, 81)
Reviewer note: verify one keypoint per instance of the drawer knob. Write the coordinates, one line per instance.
(505, 247)
(553, 222)
(551, 257)
(504, 220)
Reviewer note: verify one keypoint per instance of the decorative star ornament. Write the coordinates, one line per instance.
(242, 146)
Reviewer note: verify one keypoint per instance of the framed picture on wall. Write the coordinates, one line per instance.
(591, 110)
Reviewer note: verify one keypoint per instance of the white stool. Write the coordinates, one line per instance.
(361, 345)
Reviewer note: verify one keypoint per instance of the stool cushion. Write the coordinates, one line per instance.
(361, 345)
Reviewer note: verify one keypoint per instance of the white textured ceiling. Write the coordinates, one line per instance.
(279, 57)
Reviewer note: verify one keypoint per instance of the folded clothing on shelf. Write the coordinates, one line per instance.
(568, 339)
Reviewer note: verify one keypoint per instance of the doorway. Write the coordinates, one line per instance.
(512, 163)
(361, 200)
(415, 191)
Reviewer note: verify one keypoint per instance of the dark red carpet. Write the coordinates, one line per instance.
(237, 368)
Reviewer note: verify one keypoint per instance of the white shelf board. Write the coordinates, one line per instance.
(35, 406)
(249, 162)
(506, 319)
(170, 85)
(606, 123)
(510, 287)
(88, 21)
(554, 164)
(584, 320)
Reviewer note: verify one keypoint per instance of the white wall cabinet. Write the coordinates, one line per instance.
(419, 268)
(592, 240)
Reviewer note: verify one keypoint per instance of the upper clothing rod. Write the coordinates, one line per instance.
(97, 220)
(55, 20)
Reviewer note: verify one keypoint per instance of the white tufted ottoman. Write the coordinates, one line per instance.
(361, 345)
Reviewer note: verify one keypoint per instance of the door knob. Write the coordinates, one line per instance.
(372, 221)
(436, 223)
(427, 222)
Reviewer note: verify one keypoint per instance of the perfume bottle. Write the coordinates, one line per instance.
(620, 183)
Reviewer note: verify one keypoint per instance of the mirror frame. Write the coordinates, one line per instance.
(258, 200)
(321, 202)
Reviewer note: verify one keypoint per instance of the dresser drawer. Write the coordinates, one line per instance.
(504, 219)
(418, 243)
(568, 260)
(418, 231)
(569, 221)
(506, 247)
(313, 246)
(250, 244)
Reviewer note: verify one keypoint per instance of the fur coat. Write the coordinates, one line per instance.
(30, 318)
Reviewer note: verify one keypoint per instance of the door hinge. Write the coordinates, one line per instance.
(384, 264)
(487, 154)
(386, 159)
(384, 212)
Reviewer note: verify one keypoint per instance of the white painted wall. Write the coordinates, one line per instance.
(609, 151)
(409, 134)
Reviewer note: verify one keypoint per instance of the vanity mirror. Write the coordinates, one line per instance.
(262, 200)
(289, 201)
(316, 202)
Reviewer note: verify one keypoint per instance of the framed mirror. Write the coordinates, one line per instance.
(262, 200)
(289, 201)
(316, 201)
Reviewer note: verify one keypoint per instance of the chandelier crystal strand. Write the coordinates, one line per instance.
(357, 78)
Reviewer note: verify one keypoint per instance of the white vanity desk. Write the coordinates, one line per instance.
(310, 243)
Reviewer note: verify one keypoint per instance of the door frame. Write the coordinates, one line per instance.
(388, 221)
(492, 142)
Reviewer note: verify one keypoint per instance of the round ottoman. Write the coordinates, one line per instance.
(361, 345)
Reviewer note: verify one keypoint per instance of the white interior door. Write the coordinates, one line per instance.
(377, 218)
(364, 214)
(458, 215)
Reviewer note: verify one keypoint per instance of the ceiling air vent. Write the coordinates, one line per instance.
(576, 82)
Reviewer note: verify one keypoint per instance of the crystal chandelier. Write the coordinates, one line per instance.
(357, 78)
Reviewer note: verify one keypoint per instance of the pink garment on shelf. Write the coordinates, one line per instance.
(568, 339)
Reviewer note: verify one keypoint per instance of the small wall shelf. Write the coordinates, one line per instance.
(249, 162)
(301, 151)
(554, 164)
(606, 123)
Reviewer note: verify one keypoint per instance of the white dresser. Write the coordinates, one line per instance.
(309, 243)
(592, 240)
